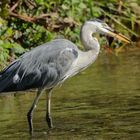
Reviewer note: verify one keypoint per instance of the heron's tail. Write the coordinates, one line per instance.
(6, 77)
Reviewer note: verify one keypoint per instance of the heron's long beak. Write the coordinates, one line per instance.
(119, 36)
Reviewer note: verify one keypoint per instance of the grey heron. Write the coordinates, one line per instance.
(50, 64)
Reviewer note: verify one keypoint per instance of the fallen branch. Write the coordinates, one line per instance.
(27, 18)
(15, 5)
(23, 17)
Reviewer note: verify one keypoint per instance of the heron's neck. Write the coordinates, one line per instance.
(89, 42)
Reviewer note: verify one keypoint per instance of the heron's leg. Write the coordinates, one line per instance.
(30, 113)
(48, 113)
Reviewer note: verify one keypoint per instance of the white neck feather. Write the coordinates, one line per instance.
(89, 42)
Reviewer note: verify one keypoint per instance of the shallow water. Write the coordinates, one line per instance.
(101, 103)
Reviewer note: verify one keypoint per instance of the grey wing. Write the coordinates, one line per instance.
(65, 61)
(49, 70)
(36, 71)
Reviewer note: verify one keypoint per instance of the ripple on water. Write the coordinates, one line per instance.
(103, 103)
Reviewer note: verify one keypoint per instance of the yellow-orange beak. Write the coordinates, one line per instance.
(119, 36)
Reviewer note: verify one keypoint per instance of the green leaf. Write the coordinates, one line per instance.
(17, 48)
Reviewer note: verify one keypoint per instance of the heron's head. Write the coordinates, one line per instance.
(103, 28)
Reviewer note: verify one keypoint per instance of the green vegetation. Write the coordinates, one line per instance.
(27, 23)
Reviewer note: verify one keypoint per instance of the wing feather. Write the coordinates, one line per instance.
(44, 66)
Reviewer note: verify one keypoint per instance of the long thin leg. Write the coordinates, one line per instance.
(48, 113)
(30, 113)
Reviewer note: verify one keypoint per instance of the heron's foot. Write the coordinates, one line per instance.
(29, 117)
(49, 121)
(31, 132)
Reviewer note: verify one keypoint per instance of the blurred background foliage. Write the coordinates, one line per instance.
(25, 24)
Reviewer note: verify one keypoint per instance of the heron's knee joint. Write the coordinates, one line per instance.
(29, 115)
(48, 116)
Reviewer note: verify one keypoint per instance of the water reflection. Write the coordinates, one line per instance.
(101, 103)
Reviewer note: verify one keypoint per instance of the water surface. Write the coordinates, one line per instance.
(101, 103)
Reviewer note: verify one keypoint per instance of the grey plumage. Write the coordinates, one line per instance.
(52, 63)
(36, 69)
